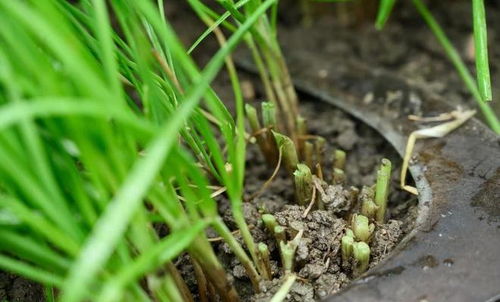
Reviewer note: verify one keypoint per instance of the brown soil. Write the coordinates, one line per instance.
(318, 261)
(16, 289)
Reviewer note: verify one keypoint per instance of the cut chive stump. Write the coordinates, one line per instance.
(361, 227)
(303, 184)
(369, 208)
(338, 176)
(269, 115)
(270, 222)
(290, 157)
(382, 189)
(264, 259)
(347, 242)
(279, 234)
(361, 253)
(339, 159)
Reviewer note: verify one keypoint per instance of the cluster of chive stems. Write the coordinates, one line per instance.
(302, 154)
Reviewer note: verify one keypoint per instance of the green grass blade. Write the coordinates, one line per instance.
(28, 271)
(39, 225)
(105, 37)
(384, 11)
(455, 58)
(148, 261)
(199, 9)
(481, 47)
(14, 113)
(113, 222)
(27, 248)
(284, 289)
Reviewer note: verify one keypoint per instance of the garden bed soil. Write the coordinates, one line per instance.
(318, 258)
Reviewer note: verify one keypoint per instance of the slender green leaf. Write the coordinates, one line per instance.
(481, 49)
(384, 11)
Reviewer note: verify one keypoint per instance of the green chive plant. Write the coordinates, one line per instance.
(266, 53)
(104, 134)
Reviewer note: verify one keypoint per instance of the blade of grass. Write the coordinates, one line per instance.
(105, 38)
(27, 248)
(111, 225)
(384, 11)
(28, 271)
(481, 49)
(162, 252)
(284, 289)
(199, 8)
(44, 107)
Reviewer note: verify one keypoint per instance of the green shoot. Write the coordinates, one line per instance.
(264, 258)
(362, 228)
(338, 176)
(369, 208)
(361, 253)
(287, 146)
(287, 251)
(269, 115)
(263, 136)
(279, 234)
(269, 120)
(382, 189)
(339, 159)
(270, 222)
(284, 289)
(346, 248)
(303, 181)
(481, 49)
(384, 11)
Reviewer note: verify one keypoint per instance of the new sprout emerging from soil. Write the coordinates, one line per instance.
(263, 135)
(288, 252)
(287, 146)
(382, 189)
(270, 222)
(361, 253)
(460, 116)
(362, 228)
(279, 234)
(339, 158)
(303, 180)
(369, 208)
(338, 176)
(269, 115)
(347, 242)
(264, 260)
